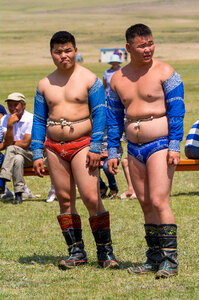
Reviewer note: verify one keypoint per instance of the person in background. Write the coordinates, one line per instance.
(115, 63)
(65, 101)
(8, 195)
(51, 194)
(192, 142)
(110, 177)
(130, 193)
(3, 112)
(152, 94)
(115, 66)
(17, 126)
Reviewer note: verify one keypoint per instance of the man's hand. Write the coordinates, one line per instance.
(38, 165)
(112, 166)
(173, 158)
(93, 160)
(12, 120)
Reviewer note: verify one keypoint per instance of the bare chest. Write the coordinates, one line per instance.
(147, 89)
(57, 95)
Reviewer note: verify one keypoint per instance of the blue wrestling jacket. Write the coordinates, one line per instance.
(96, 97)
(174, 95)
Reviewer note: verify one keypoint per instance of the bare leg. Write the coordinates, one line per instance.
(63, 181)
(160, 177)
(130, 192)
(139, 177)
(87, 182)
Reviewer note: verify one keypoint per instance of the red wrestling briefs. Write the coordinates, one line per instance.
(67, 150)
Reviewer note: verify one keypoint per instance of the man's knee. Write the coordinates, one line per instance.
(19, 160)
(91, 200)
(159, 203)
(10, 149)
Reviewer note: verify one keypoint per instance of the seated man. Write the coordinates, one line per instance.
(17, 128)
(2, 113)
(192, 142)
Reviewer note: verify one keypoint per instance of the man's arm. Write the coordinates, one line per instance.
(2, 136)
(39, 132)
(96, 99)
(9, 135)
(115, 128)
(174, 95)
(25, 143)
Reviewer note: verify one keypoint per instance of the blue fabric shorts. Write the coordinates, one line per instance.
(143, 151)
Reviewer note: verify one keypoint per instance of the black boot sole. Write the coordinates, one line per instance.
(65, 265)
(166, 274)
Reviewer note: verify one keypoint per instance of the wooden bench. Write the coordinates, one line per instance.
(184, 165)
(188, 165)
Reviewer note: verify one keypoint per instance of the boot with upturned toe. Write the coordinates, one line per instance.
(18, 198)
(100, 226)
(72, 232)
(153, 253)
(168, 247)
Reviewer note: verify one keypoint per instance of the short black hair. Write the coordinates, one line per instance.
(137, 30)
(62, 37)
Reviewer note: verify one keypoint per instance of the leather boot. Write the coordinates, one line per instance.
(168, 244)
(152, 254)
(100, 226)
(72, 232)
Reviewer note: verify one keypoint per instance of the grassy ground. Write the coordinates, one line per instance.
(31, 243)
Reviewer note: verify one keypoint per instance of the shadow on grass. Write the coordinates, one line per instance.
(26, 200)
(185, 194)
(40, 259)
(45, 260)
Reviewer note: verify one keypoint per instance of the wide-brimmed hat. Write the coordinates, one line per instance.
(16, 97)
(114, 58)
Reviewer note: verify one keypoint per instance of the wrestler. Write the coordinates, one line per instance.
(70, 109)
(152, 94)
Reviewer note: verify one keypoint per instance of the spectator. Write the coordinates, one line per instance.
(3, 112)
(192, 142)
(51, 194)
(111, 178)
(115, 66)
(130, 193)
(17, 126)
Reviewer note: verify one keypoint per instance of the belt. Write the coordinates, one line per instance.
(137, 122)
(64, 122)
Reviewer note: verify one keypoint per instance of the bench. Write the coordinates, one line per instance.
(188, 165)
(184, 165)
(31, 172)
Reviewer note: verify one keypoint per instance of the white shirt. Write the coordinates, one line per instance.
(20, 128)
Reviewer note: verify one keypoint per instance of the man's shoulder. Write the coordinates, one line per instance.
(44, 83)
(27, 117)
(116, 78)
(27, 113)
(165, 70)
(89, 76)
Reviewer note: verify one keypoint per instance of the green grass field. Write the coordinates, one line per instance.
(31, 243)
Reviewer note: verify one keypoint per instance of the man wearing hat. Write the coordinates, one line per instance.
(17, 126)
(115, 66)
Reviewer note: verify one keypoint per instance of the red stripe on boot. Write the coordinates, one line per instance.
(100, 221)
(69, 221)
